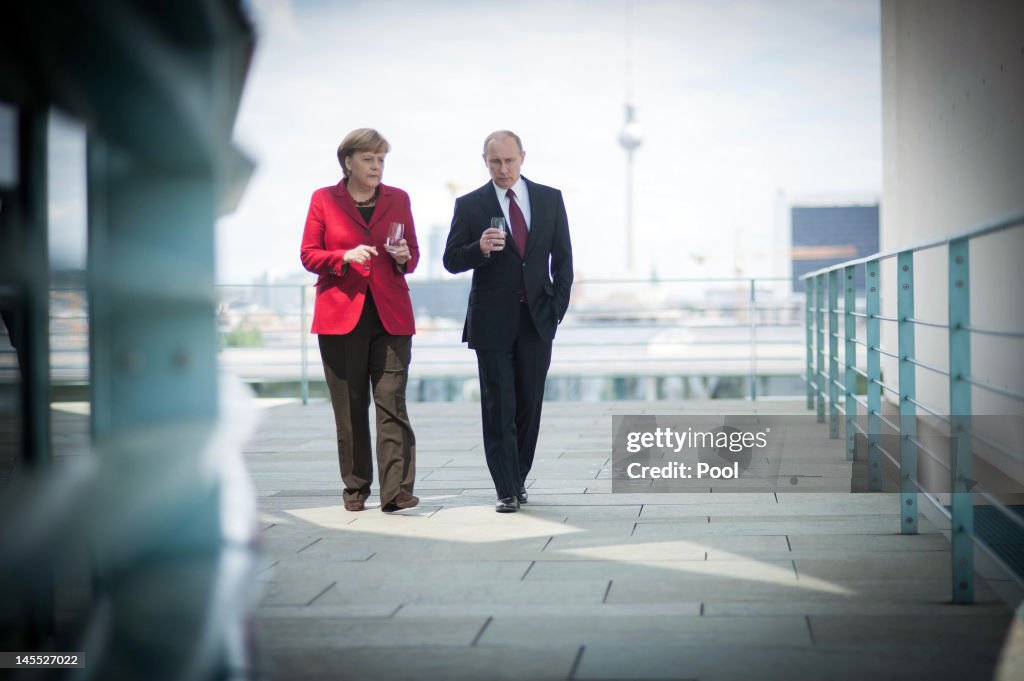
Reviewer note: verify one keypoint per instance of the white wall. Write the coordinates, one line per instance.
(953, 157)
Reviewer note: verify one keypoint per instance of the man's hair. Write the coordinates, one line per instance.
(498, 134)
(361, 139)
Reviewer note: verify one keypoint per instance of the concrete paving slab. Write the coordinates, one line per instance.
(624, 550)
(698, 499)
(540, 507)
(925, 565)
(672, 572)
(550, 485)
(853, 606)
(426, 572)
(719, 589)
(754, 630)
(294, 592)
(734, 659)
(754, 526)
(316, 611)
(442, 663)
(605, 528)
(736, 544)
(391, 548)
(290, 546)
(529, 612)
(941, 632)
(355, 631)
(509, 593)
(541, 494)
(733, 510)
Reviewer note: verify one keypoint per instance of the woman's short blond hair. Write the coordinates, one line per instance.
(361, 139)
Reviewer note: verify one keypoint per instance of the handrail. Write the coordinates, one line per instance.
(924, 322)
(929, 367)
(748, 337)
(823, 295)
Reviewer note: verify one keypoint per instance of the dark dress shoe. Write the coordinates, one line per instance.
(522, 496)
(355, 505)
(403, 500)
(507, 505)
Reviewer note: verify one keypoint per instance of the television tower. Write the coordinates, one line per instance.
(630, 138)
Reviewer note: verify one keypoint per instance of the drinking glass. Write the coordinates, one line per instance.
(498, 224)
(395, 232)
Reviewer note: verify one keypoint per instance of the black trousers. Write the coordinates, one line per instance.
(511, 397)
(366, 358)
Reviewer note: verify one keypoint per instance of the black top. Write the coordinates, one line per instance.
(366, 212)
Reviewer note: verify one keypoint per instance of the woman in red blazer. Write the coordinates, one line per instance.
(363, 318)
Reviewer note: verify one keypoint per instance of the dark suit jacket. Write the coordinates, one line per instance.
(492, 319)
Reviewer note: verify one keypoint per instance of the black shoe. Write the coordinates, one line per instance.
(507, 505)
(522, 496)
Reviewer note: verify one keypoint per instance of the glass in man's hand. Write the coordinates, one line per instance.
(498, 224)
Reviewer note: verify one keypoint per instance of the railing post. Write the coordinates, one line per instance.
(874, 371)
(753, 342)
(908, 392)
(809, 339)
(961, 463)
(850, 350)
(303, 339)
(819, 316)
(833, 354)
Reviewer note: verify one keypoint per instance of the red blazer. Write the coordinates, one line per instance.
(333, 227)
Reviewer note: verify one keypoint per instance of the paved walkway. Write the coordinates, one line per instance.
(586, 584)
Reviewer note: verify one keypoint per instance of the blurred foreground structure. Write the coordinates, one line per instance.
(148, 533)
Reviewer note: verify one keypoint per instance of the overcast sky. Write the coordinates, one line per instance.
(737, 99)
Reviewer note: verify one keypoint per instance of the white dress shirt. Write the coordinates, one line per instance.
(522, 198)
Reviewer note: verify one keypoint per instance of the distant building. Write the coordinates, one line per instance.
(823, 235)
(440, 297)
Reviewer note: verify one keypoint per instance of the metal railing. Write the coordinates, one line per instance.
(665, 338)
(839, 392)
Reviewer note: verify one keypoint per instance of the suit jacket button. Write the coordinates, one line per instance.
(524, 265)
(366, 267)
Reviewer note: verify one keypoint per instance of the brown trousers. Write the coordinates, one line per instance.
(366, 358)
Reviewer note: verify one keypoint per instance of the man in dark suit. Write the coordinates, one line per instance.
(519, 296)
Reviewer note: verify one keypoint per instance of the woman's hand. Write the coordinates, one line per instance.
(360, 254)
(401, 253)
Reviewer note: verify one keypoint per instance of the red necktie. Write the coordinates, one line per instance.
(515, 216)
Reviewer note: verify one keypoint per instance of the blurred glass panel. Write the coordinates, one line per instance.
(8, 150)
(10, 413)
(68, 237)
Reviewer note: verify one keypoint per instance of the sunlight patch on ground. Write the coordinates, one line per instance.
(470, 524)
(735, 566)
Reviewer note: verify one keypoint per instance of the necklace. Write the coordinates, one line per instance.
(369, 201)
